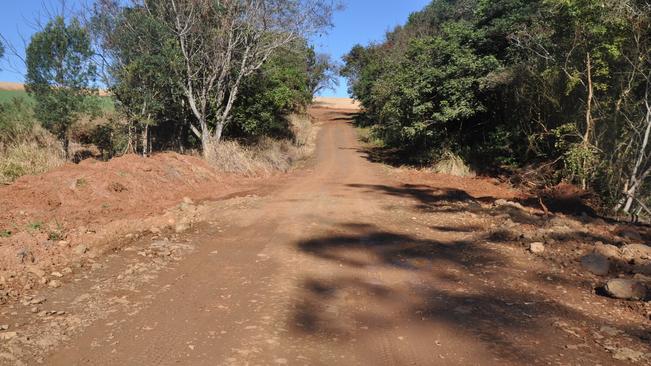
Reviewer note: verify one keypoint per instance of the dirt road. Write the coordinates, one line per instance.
(341, 264)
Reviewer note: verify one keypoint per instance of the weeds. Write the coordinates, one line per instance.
(35, 226)
(269, 155)
(81, 183)
(452, 164)
(5, 233)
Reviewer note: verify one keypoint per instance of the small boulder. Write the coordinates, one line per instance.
(607, 250)
(188, 200)
(54, 283)
(636, 251)
(537, 247)
(625, 289)
(505, 203)
(596, 264)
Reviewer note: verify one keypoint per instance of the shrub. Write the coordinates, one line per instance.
(24, 157)
(452, 164)
(268, 155)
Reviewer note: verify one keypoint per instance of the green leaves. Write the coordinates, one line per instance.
(60, 74)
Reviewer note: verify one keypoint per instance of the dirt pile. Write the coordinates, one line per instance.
(49, 220)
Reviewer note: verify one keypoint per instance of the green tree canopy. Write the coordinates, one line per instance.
(60, 75)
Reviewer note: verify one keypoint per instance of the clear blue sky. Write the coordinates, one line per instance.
(362, 21)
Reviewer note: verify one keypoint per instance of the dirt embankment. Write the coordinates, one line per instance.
(48, 221)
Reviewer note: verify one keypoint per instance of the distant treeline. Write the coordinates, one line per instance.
(558, 89)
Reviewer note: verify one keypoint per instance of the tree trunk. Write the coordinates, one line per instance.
(145, 140)
(66, 147)
(208, 145)
(219, 130)
(588, 119)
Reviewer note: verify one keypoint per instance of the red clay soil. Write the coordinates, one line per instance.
(347, 262)
(43, 218)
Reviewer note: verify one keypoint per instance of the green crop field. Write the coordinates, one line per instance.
(106, 103)
(8, 95)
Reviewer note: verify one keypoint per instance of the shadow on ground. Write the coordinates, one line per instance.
(392, 280)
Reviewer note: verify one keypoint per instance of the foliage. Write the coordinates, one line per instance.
(510, 83)
(279, 88)
(59, 74)
(181, 90)
(16, 120)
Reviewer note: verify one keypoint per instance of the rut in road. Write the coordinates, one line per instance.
(341, 265)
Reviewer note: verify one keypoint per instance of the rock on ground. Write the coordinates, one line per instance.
(607, 250)
(596, 264)
(636, 252)
(625, 289)
(537, 248)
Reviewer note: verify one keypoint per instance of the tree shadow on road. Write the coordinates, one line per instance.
(390, 279)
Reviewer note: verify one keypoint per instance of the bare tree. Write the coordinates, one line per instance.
(224, 41)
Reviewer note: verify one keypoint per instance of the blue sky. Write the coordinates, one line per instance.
(362, 21)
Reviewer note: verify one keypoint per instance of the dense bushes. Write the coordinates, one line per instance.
(514, 84)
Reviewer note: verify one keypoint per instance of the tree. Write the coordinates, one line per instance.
(557, 87)
(322, 72)
(59, 75)
(224, 42)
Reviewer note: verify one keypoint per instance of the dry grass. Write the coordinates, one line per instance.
(30, 156)
(269, 155)
(452, 164)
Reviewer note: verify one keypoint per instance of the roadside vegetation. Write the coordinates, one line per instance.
(544, 91)
(217, 79)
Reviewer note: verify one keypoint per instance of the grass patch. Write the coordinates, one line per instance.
(5, 233)
(35, 226)
(9, 95)
(81, 183)
(367, 137)
(268, 155)
(452, 164)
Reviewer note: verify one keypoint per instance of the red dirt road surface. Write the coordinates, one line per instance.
(344, 262)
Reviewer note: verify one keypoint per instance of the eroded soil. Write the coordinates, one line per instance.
(344, 262)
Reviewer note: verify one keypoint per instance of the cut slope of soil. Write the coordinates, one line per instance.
(46, 219)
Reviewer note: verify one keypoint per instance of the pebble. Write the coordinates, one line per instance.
(181, 227)
(54, 283)
(36, 271)
(36, 301)
(537, 247)
(80, 249)
(5, 336)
